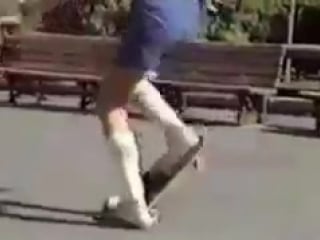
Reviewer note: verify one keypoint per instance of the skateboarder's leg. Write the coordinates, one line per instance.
(179, 137)
(113, 115)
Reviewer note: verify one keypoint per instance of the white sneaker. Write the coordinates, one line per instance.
(132, 212)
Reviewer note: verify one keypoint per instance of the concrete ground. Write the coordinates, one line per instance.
(55, 169)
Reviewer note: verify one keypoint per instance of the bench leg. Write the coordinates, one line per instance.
(12, 93)
(40, 96)
(264, 114)
(262, 107)
(317, 115)
(83, 103)
(83, 100)
(184, 103)
(247, 112)
(258, 102)
(12, 98)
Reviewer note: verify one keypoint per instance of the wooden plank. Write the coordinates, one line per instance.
(302, 47)
(54, 76)
(223, 66)
(300, 86)
(233, 81)
(262, 91)
(63, 50)
(53, 53)
(213, 103)
(30, 67)
(305, 51)
(208, 51)
(210, 95)
(200, 86)
(56, 37)
(49, 55)
(211, 100)
(52, 90)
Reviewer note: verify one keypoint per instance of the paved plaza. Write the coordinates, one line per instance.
(55, 170)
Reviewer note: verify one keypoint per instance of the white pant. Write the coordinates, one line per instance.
(178, 136)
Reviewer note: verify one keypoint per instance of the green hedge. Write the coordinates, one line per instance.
(266, 21)
(272, 6)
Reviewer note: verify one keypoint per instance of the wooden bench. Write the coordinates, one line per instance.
(305, 60)
(40, 63)
(303, 89)
(199, 74)
(297, 88)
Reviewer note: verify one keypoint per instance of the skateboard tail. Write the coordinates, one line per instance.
(157, 182)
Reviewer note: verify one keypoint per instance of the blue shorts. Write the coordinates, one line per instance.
(155, 26)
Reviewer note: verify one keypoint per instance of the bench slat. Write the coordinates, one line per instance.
(250, 65)
(54, 76)
(300, 85)
(209, 95)
(308, 51)
(223, 67)
(211, 99)
(199, 85)
(50, 67)
(207, 51)
(228, 81)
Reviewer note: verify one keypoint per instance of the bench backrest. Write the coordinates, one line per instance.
(253, 65)
(249, 65)
(58, 53)
(305, 57)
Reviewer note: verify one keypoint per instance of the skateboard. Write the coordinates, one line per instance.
(157, 181)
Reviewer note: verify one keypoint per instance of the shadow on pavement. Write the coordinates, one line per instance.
(3, 189)
(207, 122)
(47, 107)
(110, 222)
(91, 111)
(294, 132)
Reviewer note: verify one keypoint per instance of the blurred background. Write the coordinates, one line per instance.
(234, 21)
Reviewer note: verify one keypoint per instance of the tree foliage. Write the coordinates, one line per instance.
(256, 21)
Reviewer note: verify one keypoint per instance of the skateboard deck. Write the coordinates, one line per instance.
(157, 181)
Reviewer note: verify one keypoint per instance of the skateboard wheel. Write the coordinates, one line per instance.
(109, 205)
(155, 213)
(112, 203)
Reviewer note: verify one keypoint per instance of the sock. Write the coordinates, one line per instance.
(126, 150)
(178, 136)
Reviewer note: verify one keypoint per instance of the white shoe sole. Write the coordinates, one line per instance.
(129, 212)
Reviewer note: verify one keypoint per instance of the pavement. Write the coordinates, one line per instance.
(55, 169)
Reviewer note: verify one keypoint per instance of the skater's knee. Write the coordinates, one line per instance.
(143, 88)
(110, 99)
(154, 105)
